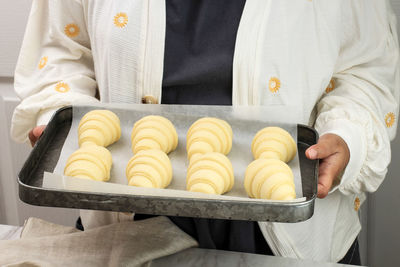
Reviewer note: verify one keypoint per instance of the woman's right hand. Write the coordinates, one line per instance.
(35, 134)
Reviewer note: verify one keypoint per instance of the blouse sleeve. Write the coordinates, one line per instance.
(55, 64)
(363, 106)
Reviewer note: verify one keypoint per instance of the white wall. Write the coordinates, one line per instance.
(380, 243)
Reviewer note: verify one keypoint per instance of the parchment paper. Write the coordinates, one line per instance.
(245, 122)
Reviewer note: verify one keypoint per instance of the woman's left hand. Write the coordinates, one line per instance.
(333, 153)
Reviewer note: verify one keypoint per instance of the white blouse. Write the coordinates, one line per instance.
(334, 62)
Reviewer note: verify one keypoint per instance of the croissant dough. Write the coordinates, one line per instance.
(274, 142)
(149, 168)
(210, 173)
(154, 132)
(269, 179)
(100, 127)
(89, 162)
(209, 135)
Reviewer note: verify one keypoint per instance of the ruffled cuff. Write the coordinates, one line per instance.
(45, 116)
(355, 139)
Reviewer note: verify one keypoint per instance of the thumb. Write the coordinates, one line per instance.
(37, 131)
(321, 150)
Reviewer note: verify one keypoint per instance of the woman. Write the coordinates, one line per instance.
(334, 62)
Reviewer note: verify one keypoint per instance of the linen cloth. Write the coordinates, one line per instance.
(120, 244)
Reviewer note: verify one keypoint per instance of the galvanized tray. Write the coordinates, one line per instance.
(46, 152)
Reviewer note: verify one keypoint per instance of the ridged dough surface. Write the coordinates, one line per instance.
(209, 135)
(89, 162)
(154, 132)
(210, 173)
(149, 168)
(274, 142)
(269, 179)
(99, 127)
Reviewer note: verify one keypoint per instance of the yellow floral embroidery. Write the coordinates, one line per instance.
(274, 84)
(62, 87)
(357, 204)
(121, 19)
(71, 30)
(42, 62)
(389, 119)
(331, 86)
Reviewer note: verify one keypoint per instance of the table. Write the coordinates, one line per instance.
(220, 258)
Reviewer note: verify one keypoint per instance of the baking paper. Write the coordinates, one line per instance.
(245, 123)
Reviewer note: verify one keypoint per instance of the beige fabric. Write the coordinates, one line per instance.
(35, 227)
(121, 244)
(96, 218)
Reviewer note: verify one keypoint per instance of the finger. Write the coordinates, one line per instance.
(324, 148)
(37, 131)
(329, 170)
(324, 184)
(32, 138)
(323, 191)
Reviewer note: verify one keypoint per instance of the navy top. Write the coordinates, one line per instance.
(199, 47)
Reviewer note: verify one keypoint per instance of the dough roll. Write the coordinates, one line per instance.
(89, 162)
(99, 127)
(154, 132)
(209, 135)
(149, 168)
(269, 179)
(275, 143)
(210, 173)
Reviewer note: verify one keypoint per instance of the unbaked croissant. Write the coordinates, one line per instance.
(99, 127)
(274, 142)
(210, 173)
(89, 162)
(149, 168)
(209, 135)
(269, 179)
(154, 132)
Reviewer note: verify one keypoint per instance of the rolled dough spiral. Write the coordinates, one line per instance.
(210, 173)
(209, 135)
(269, 179)
(149, 168)
(99, 127)
(89, 162)
(274, 142)
(154, 132)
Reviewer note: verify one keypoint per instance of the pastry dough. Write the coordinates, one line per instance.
(210, 173)
(274, 142)
(100, 127)
(154, 132)
(209, 135)
(269, 179)
(89, 162)
(149, 168)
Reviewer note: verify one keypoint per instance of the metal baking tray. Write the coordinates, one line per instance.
(45, 154)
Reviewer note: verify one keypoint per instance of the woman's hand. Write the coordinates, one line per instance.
(334, 155)
(35, 134)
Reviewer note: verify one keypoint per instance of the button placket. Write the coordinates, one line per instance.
(149, 99)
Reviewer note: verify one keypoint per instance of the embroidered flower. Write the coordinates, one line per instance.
(72, 30)
(389, 119)
(121, 19)
(357, 204)
(62, 87)
(274, 84)
(331, 86)
(42, 62)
